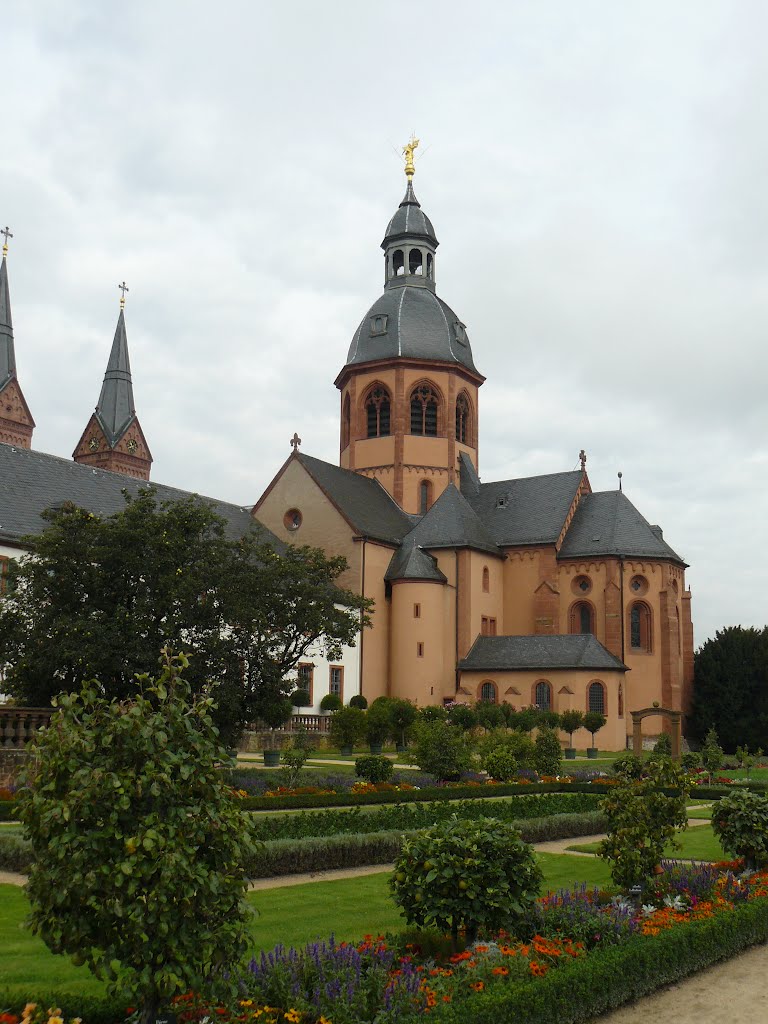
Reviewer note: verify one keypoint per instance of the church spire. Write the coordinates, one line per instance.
(113, 439)
(16, 423)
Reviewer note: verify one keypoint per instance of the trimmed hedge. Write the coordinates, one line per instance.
(607, 978)
(7, 808)
(409, 817)
(296, 856)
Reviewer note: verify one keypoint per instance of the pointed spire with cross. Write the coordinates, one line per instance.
(583, 459)
(7, 233)
(123, 289)
(295, 441)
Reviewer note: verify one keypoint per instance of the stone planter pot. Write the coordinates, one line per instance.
(376, 748)
(271, 758)
(345, 751)
(592, 752)
(570, 753)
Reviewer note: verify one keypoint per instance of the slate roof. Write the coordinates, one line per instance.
(607, 523)
(32, 481)
(115, 409)
(516, 653)
(7, 354)
(531, 510)
(409, 219)
(363, 501)
(452, 523)
(419, 325)
(411, 562)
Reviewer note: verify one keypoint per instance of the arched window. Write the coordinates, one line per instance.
(543, 695)
(596, 697)
(582, 617)
(398, 262)
(488, 692)
(430, 265)
(486, 580)
(377, 412)
(424, 402)
(345, 422)
(425, 496)
(463, 420)
(415, 262)
(640, 627)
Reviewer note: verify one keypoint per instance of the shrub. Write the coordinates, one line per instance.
(358, 701)
(432, 713)
(347, 725)
(517, 744)
(374, 768)
(402, 717)
(711, 754)
(466, 874)
(300, 698)
(691, 761)
(740, 822)
(527, 719)
(293, 761)
(500, 764)
(663, 744)
(550, 718)
(489, 715)
(378, 724)
(628, 766)
(643, 820)
(547, 755)
(594, 722)
(442, 750)
(570, 721)
(330, 702)
(134, 835)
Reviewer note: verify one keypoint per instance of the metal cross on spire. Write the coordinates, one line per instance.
(295, 441)
(123, 288)
(583, 459)
(7, 233)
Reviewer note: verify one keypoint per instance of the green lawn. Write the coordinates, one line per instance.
(697, 843)
(293, 915)
(701, 812)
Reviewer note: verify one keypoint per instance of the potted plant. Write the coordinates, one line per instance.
(330, 702)
(275, 715)
(358, 701)
(378, 724)
(570, 721)
(402, 715)
(593, 722)
(300, 699)
(347, 728)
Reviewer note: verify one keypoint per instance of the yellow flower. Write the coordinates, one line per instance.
(293, 1016)
(324, 1020)
(55, 1019)
(29, 1009)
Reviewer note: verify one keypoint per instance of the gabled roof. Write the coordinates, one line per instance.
(411, 562)
(452, 523)
(516, 653)
(31, 482)
(531, 510)
(7, 354)
(362, 501)
(607, 523)
(115, 409)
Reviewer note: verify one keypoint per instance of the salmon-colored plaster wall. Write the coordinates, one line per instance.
(376, 639)
(425, 678)
(322, 525)
(521, 578)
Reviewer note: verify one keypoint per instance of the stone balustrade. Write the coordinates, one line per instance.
(19, 725)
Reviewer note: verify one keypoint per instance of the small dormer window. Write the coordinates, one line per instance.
(378, 324)
(460, 330)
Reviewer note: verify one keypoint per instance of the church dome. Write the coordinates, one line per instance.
(409, 219)
(411, 323)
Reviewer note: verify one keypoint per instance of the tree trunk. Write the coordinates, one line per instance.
(149, 1010)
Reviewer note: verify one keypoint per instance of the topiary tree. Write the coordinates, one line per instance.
(331, 702)
(402, 717)
(527, 719)
(740, 822)
(547, 755)
(642, 820)
(432, 713)
(277, 712)
(137, 841)
(500, 764)
(347, 726)
(570, 721)
(594, 722)
(711, 754)
(489, 715)
(466, 874)
(358, 701)
(442, 750)
(374, 768)
(378, 723)
(300, 699)
(463, 716)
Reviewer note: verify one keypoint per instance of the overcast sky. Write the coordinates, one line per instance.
(596, 173)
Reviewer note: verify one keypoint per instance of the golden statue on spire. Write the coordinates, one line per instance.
(408, 149)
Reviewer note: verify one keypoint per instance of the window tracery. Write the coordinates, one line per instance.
(377, 412)
(424, 406)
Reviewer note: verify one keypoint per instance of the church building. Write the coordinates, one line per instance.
(531, 591)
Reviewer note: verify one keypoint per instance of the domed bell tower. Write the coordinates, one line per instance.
(409, 388)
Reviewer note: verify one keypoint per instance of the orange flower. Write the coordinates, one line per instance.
(538, 970)
(503, 971)
(477, 986)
